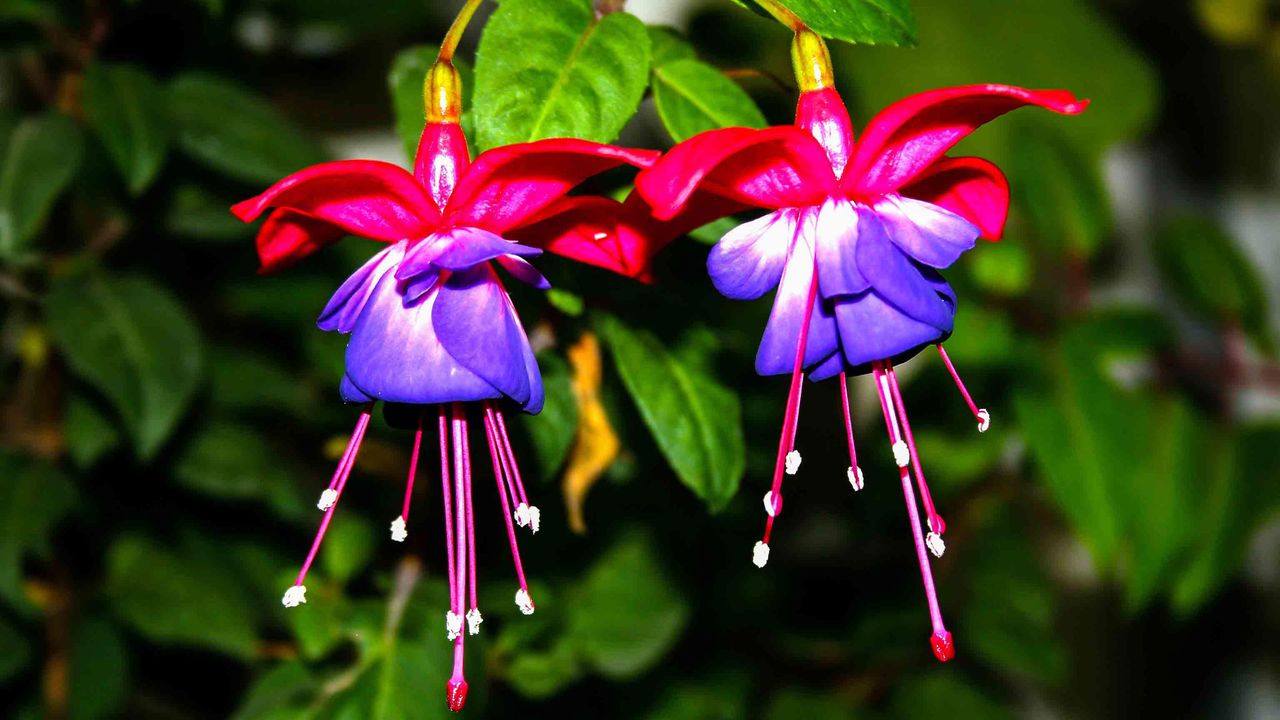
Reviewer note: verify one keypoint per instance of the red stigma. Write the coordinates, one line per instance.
(457, 693)
(943, 648)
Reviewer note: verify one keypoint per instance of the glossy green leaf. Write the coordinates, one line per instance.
(696, 421)
(34, 497)
(553, 430)
(179, 595)
(404, 81)
(127, 109)
(42, 157)
(626, 615)
(692, 97)
(134, 342)
(543, 674)
(868, 22)
(1202, 265)
(231, 130)
(667, 45)
(99, 671)
(552, 68)
(15, 651)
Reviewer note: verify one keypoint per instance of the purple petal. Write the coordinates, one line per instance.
(350, 393)
(472, 246)
(419, 258)
(533, 405)
(777, 353)
(896, 279)
(827, 368)
(929, 234)
(521, 270)
(872, 329)
(748, 260)
(344, 307)
(395, 355)
(837, 237)
(478, 326)
(412, 290)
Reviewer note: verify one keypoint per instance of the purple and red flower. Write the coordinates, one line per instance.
(854, 239)
(429, 319)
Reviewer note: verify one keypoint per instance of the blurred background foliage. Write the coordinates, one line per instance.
(169, 416)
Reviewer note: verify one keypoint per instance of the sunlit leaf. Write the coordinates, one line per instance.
(692, 97)
(870, 22)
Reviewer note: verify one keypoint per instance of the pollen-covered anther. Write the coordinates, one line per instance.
(452, 625)
(760, 554)
(474, 618)
(327, 499)
(294, 596)
(399, 531)
(535, 518)
(855, 478)
(793, 462)
(934, 542)
(772, 503)
(984, 420)
(524, 602)
(522, 514)
(901, 454)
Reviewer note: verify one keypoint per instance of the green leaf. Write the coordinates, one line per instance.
(128, 111)
(1061, 190)
(1207, 272)
(232, 462)
(348, 548)
(944, 695)
(868, 22)
(34, 498)
(553, 430)
(692, 97)
(99, 671)
(199, 214)
(696, 421)
(88, 432)
(282, 693)
(1002, 268)
(41, 159)
(626, 615)
(667, 45)
(235, 132)
(404, 81)
(180, 596)
(543, 674)
(1034, 45)
(133, 341)
(15, 651)
(552, 68)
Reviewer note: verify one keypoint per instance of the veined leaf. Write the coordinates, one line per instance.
(127, 109)
(692, 97)
(867, 22)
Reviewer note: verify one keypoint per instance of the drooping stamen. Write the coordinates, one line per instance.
(936, 524)
(941, 639)
(453, 618)
(330, 494)
(531, 515)
(461, 471)
(297, 593)
(491, 429)
(788, 459)
(399, 526)
(981, 415)
(464, 449)
(855, 471)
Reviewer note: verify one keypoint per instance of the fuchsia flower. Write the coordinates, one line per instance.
(430, 321)
(854, 239)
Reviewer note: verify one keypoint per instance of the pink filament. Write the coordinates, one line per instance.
(848, 420)
(413, 469)
(491, 430)
(461, 520)
(946, 360)
(922, 555)
(936, 523)
(787, 441)
(447, 494)
(471, 520)
(513, 470)
(339, 482)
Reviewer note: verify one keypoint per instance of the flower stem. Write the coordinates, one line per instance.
(451, 38)
(782, 14)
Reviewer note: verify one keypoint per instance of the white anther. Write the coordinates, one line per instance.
(855, 478)
(535, 516)
(793, 462)
(294, 596)
(327, 499)
(522, 514)
(984, 420)
(772, 506)
(524, 602)
(933, 541)
(901, 455)
(760, 554)
(398, 529)
(452, 625)
(473, 621)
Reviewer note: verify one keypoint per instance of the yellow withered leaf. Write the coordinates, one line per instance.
(596, 444)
